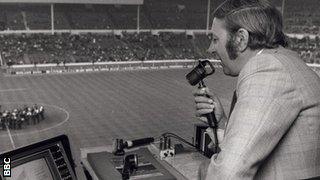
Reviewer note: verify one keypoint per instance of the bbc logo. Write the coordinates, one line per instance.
(6, 167)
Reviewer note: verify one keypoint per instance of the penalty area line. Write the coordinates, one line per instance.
(10, 136)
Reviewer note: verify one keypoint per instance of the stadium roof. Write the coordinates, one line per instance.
(128, 2)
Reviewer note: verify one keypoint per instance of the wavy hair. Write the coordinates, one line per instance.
(261, 19)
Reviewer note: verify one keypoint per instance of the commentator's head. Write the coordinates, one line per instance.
(241, 29)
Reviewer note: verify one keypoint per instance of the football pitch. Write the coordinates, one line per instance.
(94, 108)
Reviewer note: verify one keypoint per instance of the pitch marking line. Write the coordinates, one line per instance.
(45, 129)
(10, 136)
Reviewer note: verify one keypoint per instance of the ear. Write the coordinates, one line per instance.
(242, 39)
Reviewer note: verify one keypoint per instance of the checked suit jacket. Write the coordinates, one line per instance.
(274, 129)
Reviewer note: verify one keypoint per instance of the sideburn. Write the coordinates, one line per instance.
(231, 47)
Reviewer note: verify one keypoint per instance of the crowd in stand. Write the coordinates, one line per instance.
(37, 48)
(70, 48)
(308, 49)
(299, 16)
(21, 117)
(302, 16)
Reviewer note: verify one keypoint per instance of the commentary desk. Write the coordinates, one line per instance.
(183, 166)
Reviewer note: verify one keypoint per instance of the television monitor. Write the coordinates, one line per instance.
(50, 159)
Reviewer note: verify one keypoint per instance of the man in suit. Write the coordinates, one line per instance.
(273, 130)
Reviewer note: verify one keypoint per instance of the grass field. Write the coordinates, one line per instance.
(95, 108)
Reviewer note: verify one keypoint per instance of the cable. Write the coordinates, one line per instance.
(169, 134)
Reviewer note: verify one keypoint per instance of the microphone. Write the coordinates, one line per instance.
(119, 145)
(199, 72)
(139, 142)
(195, 77)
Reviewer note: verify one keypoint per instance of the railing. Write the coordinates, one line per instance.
(101, 66)
(100, 31)
(110, 31)
(111, 66)
(315, 67)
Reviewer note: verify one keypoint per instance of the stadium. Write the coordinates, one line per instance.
(107, 69)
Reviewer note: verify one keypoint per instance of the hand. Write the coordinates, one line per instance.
(206, 102)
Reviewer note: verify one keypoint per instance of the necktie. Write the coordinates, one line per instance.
(233, 103)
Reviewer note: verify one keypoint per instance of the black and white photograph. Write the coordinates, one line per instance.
(159, 89)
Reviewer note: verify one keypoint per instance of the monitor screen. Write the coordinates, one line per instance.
(38, 166)
(34, 170)
(50, 159)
